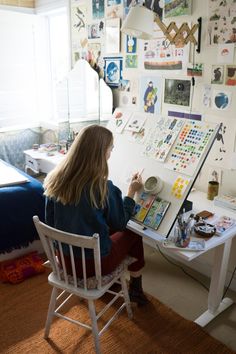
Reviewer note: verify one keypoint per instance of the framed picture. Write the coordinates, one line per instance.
(177, 92)
(113, 70)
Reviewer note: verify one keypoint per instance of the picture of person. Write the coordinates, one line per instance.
(150, 98)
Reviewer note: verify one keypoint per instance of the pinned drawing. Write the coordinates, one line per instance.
(136, 122)
(177, 92)
(120, 118)
(223, 145)
(160, 140)
(230, 79)
(150, 98)
(217, 74)
(221, 99)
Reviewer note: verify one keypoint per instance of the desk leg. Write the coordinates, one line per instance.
(215, 304)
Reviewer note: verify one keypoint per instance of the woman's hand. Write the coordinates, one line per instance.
(135, 185)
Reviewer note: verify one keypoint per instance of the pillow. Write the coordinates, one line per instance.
(16, 270)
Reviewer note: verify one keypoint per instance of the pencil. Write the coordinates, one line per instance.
(140, 173)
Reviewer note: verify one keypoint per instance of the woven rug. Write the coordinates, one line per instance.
(154, 329)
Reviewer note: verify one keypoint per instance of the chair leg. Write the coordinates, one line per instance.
(94, 324)
(51, 309)
(126, 296)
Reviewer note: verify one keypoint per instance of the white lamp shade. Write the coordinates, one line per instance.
(139, 23)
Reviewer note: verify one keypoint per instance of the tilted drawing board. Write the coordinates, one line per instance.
(170, 148)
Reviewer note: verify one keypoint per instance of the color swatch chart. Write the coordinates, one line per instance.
(161, 139)
(189, 147)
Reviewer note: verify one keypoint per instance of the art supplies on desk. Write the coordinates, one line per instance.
(143, 205)
(150, 210)
(225, 201)
(221, 223)
(194, 245)
(156, 213)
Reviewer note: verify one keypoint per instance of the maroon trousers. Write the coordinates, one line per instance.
(123, 243)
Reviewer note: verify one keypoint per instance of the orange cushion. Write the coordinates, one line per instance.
(16, 270)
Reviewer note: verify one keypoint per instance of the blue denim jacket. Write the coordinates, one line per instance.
(86, 220)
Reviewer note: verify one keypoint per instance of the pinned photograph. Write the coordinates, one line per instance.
(177, 92)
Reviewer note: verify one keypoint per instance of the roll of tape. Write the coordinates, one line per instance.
(153, 185)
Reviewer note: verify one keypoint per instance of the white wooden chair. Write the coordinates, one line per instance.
(88, 288)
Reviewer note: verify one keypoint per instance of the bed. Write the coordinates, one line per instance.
(21, 197)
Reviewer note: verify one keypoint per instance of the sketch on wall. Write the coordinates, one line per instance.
(79, 35)
(159, 54)
(223, 145)
(222, 21)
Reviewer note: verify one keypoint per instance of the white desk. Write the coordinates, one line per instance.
(40, 161)
(221, 246)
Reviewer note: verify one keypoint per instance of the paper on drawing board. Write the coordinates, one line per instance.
(136, 122)
(224, 143)
(119, 119)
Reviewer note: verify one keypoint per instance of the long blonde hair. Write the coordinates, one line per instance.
(84, 168)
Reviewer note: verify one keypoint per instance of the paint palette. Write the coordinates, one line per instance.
(189, 147)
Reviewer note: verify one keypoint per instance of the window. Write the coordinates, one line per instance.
(35, 57)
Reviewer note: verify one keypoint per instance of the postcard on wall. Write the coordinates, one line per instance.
(131, 61)
(131, 45)
(221, 99)
(177, 8)
(195, 70)
(230, 77)
(177, 92)
(151, 94)
(156, 213)
(225, 53)
(221, 25)
(136, 122)
(217, 74)
(114, 11)
(97, 9)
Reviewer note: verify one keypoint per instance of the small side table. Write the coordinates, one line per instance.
(41, 162)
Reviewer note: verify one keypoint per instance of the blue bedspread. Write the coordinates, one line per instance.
(18, 203)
